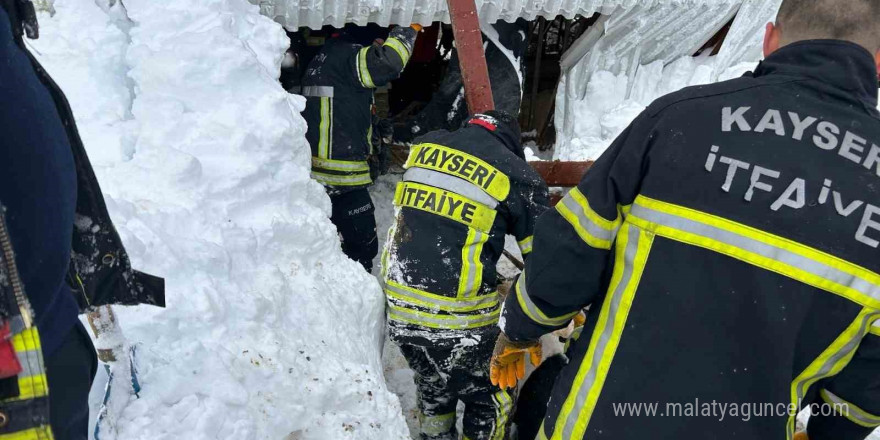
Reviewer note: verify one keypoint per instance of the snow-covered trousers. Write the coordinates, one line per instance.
(445, 376)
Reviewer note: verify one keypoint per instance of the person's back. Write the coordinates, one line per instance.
(462, 193)
(728, 244)
(338, 85)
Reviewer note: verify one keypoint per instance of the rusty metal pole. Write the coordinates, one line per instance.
(471, 58)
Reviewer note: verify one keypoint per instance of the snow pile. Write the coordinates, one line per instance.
(605, 111)
(270, 332)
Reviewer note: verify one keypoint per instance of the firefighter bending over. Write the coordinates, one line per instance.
(462, 193)
(727, 243)
(338, 85)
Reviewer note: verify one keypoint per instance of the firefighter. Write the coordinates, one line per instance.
(338, 86)
(727, 245)
(462, 193)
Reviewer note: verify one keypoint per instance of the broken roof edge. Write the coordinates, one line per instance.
(293, 14)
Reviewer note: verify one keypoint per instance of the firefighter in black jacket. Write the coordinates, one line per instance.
(338, 86)
(462, 193)
(727, 243)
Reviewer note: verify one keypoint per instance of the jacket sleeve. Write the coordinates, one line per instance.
(852, 398)
(533, 200)
(375, 66)
(572, 248)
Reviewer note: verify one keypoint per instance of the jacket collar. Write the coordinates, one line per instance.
(840, 65)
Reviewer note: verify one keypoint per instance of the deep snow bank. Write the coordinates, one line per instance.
(270, 331)
(606, 109)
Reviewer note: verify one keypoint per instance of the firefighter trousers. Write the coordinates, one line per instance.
(445, 376)
(355, 220)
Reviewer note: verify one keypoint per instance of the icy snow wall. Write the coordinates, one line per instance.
(270, 332)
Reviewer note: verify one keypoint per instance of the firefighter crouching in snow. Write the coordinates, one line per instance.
(338, 86)
(728, 244)
(463, 191)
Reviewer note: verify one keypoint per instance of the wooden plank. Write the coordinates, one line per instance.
(471, 58)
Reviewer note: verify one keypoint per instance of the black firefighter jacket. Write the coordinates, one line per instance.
(462, 193)
(100, 272)
(338, 86)
(727, 245)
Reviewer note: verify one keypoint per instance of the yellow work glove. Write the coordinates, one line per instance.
(580, 319)
(801, 436)
(508, 363)
(416, 26)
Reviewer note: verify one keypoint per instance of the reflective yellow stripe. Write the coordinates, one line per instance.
(462, 165)
(631, 254)
(400, 48)
(451, 322)
(532, 311)
(363, 71)
(325, 128)
(593, 229)
(525, 245)
(31, 387)
(38, 433)
(503, 408)
(875, 329)
(832, 360)
(852, 412)
(471, 278)
(340, 165)
(28, 339)
(436, 425)
(370, 139)
(342, 180)
(446, 204)
(542, 435)
(759, 248)
(429, 300)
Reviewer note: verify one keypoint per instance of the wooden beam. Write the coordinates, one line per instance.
(564, 174)
(471, 58)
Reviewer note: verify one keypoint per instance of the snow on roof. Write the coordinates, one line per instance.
(316, 13)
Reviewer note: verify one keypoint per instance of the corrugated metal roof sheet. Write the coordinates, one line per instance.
(316, 13)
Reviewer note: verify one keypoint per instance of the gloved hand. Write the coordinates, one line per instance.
(416, 26)
(508, 363)
(580, 319)
(801, 436)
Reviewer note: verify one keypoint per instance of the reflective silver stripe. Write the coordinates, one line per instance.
(449, 183)
(436, 425)
(401, 314)
(851, 412)
(617, 295)
(585, 223)
(471, 277)
(532, 311)
(339, 165)
(363, 71)
(318, 91)
(402, 49)
(445, 304)
(811, 266)
(503, 407)
(525, 245)
(31, 362)
(350, 180)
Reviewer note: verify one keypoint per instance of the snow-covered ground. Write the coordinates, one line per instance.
(270, 332)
